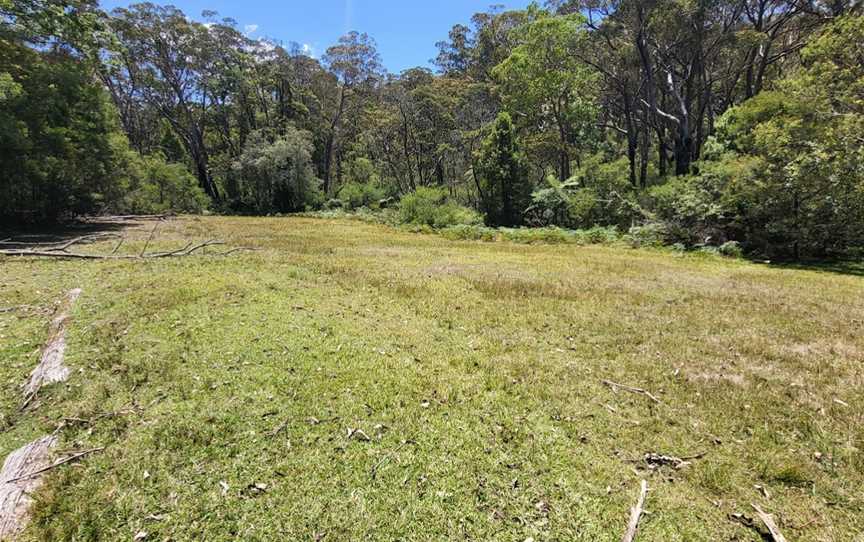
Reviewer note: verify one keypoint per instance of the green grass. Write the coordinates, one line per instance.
(474, 368)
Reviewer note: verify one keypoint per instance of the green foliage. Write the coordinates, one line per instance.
(597, 194)
(545, 80)
(731, 249)
(276, 175)
(432, 207)
(547, 236)
(156, 186)
(784, 174)
(503, 174)
(695, 209)
(355, 195)
(59, 140)
(651, 235)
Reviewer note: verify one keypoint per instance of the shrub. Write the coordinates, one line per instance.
(276, 175)
(430, 207)
(503, 174)
(156, 186)
(355, 195)
(653, 234)
(465, 232)
(599, 235)
(731, 249)
(333, 203)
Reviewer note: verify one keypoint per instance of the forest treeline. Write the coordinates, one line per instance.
(700, 122)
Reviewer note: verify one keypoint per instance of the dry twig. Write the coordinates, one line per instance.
(615, 387)
(636, 514)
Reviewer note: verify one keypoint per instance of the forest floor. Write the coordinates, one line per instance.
(347, 381)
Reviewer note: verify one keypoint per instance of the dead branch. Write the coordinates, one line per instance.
(60, 245)
(15, 498)
(73, 457)
(63, 252)
(134, 217)
(117, 247)
(615, 387)
(150, 238)
(655, 460)
(636, 514)
(768, 520)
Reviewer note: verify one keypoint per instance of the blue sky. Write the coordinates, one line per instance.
(406, 30)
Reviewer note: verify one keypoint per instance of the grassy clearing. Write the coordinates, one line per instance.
(475, 370)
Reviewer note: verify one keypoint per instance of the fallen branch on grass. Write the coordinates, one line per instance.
(636, 514)
(768, 520)
(655, 460)
(615, 387)
(18, 481)
(74, 457)
(62, 251)
(59, 245)
(51, 368)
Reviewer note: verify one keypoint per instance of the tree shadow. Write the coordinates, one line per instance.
(840, 267)
(32, 237)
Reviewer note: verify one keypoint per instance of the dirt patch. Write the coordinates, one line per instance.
(731, 378)
(825, 348)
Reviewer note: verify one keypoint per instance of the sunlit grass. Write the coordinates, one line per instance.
(474, 369)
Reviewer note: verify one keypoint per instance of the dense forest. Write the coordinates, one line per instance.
(699, 122)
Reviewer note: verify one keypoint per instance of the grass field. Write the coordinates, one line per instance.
(351, 382)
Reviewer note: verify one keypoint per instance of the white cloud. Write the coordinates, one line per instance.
(250, 29)
(308, 50)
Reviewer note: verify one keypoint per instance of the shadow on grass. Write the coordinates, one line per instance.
(853, 268)
(36, 236)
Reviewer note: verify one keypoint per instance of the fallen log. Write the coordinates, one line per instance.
(18, 480)
(51, 368)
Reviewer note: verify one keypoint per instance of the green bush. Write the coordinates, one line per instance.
(156, 186)
(551, 236)
(465, 232)
(731, 249)
(653, 234)
(598, 235)
(431, 207)
(355, 195)
(276, 174)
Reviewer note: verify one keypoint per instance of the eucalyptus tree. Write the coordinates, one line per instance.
(165, 61)
(548, 88)
(355, 63)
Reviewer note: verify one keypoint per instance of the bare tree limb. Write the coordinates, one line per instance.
(636, 514)
(147, 244)
(188, 250)
(768, 520)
